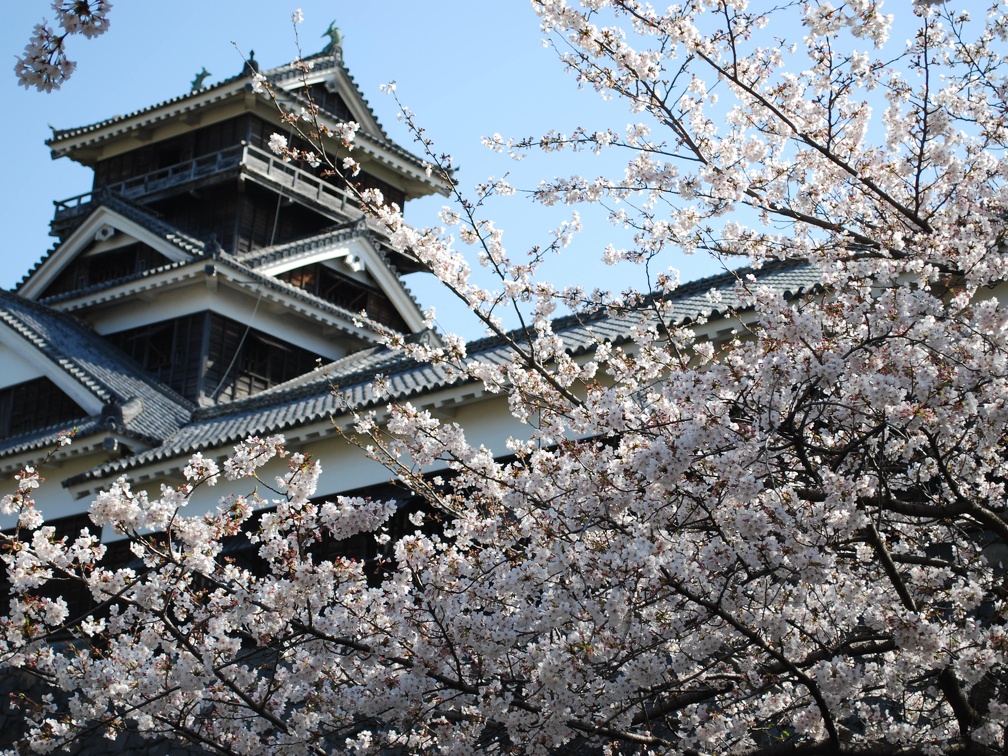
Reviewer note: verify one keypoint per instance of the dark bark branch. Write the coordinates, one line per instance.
(754, 638)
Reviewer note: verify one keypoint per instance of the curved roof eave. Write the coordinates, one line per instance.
(348, 383)
(377, 146)
(100, 379)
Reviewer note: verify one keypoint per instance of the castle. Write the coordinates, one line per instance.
(206, 290)
(194, 291)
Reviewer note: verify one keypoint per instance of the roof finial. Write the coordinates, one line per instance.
(251, 65)
(335, 46)
(197, 83)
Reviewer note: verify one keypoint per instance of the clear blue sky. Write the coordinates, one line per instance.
(467, 68)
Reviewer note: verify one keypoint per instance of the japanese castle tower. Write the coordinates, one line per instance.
(193, 292)
(205, 291)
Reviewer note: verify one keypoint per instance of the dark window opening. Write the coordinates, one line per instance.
(244, 361)
(91, 270)
(155, 157)
(34, 405)
(170, 154)
(170, 352)
(329, 102)
(201, 218)
(389, 192)
(346, 292)
(212, 357)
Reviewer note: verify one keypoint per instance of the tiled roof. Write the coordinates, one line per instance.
(282, 72)
(346, 320)
(96, 289)
(263, 256)
(349, 382)
(320, 61)
(199, 251)
(192, 246)
(44, 439)
(187, 243)
(344, 232)
(134, 404)
(61, 134)
(349, 318)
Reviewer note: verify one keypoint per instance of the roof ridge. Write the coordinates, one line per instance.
(337, 232)
(683, 291)
(399, 363)
(113, 282)
(47, 437)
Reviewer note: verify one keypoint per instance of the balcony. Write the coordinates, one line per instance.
(272, 170)
(243, 160)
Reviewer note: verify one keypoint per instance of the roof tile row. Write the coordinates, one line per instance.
(349, 383)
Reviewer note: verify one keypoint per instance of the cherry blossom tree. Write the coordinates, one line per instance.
(788, 540)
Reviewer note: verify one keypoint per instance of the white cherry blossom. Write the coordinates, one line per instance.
(779, 526)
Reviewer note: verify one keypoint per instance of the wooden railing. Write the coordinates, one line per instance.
(244, 156)
(300, 181)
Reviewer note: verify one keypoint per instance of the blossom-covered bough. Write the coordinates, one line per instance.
(44, 64)
(791, 540)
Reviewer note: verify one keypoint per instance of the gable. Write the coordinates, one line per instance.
(33, 405)
(98, 264)
(29, 399)
(16, 368)
(327, 281)
(332, 88)
(106, 246)
(321, 264)
(32, 364)
(328, 99)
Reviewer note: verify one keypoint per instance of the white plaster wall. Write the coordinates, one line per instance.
(15, 369)
(345, 467)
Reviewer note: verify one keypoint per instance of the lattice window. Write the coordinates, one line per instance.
(34, 405)
(348, 293)
(170, 352)
(244, 361)
(330, 102)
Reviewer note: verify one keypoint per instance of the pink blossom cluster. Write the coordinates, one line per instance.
(44, 64)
